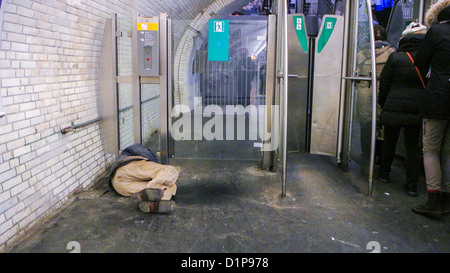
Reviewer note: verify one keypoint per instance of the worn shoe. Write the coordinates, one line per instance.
(411, 189)
(161, 207)
(150, 194)
(445, 203)
(381, 176)
(432, 207)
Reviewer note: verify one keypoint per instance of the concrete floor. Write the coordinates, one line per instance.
(233, 207)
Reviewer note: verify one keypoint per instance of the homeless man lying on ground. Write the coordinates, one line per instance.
(136, 173)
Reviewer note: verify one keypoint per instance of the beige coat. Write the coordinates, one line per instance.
(364, 88)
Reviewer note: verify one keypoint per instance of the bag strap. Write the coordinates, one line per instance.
(417, 69)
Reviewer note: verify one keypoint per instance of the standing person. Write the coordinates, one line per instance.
(383, 10)
(435, 55)
(364, 96)
(399, 98)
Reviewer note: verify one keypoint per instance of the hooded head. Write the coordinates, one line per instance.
(414, 28)
(412, 36)
(438, 12)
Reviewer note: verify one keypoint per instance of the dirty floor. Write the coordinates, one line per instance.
(234, 207)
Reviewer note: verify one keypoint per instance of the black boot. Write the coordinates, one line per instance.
(411, 189)
(381, 176)
(432, 207)
(445, 203)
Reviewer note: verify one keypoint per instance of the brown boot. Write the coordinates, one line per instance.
(161, 206)
(150, 194)
(432, 207)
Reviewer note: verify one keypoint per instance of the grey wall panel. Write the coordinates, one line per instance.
(107, 102)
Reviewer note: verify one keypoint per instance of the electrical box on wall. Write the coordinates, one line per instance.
(148, 46)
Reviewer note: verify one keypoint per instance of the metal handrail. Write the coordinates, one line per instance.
(374, 97)
(355, 78)
(73, 127)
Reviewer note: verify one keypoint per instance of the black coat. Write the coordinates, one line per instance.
(400, 86)
(435, 53)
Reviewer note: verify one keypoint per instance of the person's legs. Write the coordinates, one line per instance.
(391, 134)
(412, 145)
(366, 136)
(126, 185)
(164, 177)
(434, 132)
(365, 139)
(433, 139)
(139, 175)
(150, 183)
(445, 165)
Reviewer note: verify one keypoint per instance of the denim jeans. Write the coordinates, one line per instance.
(436, 154)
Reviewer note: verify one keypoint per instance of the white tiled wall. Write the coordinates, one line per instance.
(49, 59)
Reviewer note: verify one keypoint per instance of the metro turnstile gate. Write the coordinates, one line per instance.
(315, 71)
(320, 123)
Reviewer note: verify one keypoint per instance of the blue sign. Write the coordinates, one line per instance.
(218, 40)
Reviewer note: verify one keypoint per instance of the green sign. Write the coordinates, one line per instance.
(327, 29)
(218, 40)
(299, 24)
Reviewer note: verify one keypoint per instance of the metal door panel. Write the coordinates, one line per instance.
(298, 43)
(327, 87)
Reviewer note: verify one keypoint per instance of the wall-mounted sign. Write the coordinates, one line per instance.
(147, 26)
(218, 40)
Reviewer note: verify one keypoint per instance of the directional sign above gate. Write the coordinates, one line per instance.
(218, 40)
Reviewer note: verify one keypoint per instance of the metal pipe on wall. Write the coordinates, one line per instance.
(74, 127)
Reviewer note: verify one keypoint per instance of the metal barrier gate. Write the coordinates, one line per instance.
(314, 82)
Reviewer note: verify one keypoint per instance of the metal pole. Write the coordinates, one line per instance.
(164, 111)
(343, 84)
(136, 84)
(354, 35)
(170, 141)
(285, 95)
(374, 96)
